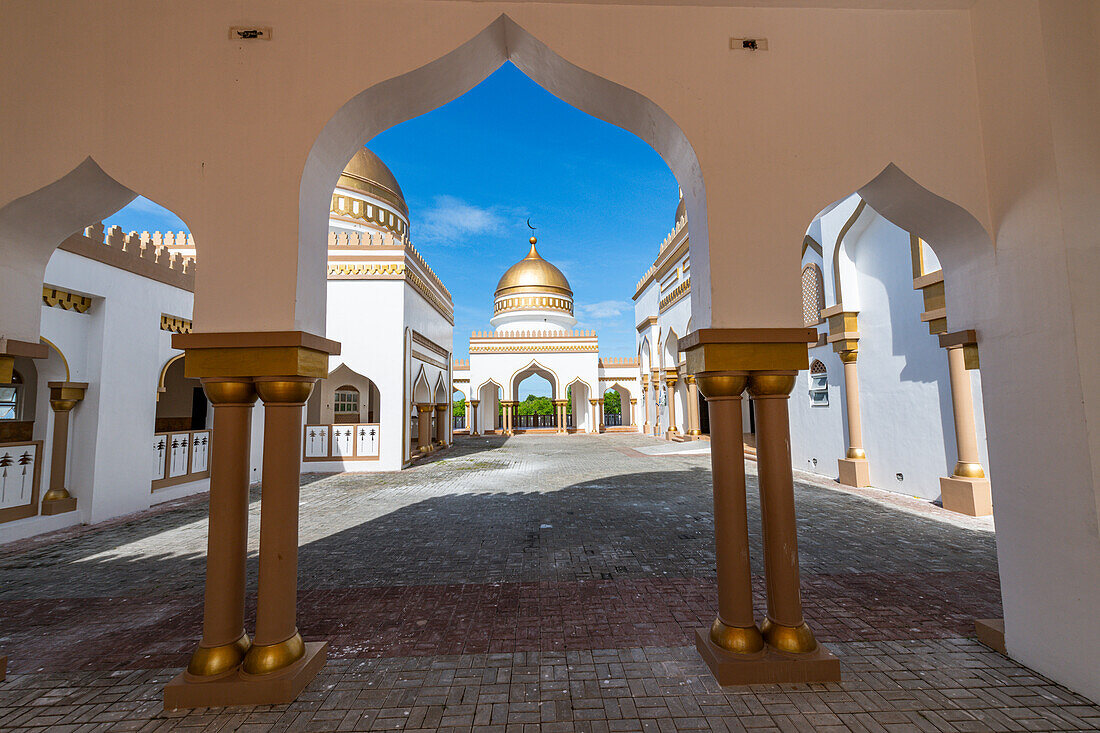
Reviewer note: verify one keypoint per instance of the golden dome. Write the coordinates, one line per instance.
(533, 274)
(367, 174)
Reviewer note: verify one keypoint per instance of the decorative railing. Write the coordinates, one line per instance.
(180, 456)
(350, 442)
(535, 421)
(612, 421)
(20, 473)
(459, 422)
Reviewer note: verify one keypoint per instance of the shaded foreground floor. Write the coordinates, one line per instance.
(541, 582)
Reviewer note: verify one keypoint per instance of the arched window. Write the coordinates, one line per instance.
(11, 397)
(813, 294)
(819, 384)
(345, 404)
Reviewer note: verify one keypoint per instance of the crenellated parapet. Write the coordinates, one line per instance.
(460, 365)
(665, 254)
(340, 244)
(619, 362)
(152, 255)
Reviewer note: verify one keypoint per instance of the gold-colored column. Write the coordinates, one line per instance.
(600, 414)
(471, 415)
(277, 643)
(224, 641)
(508, 421)
(63, 398)
(633, 412)
(645, 404)
(594, 426)
(670, 383)
(692, 406)
(785, 629)
(559, 411)
(967, 490)
(441, 425)
(735, 627)
(853, 468)
(424, 427)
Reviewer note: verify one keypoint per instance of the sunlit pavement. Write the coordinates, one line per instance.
(536, 583)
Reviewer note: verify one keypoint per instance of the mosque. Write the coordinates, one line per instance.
(833, 153)
(534, 334)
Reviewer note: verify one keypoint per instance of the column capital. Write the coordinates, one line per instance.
(65, 395)
(424, 407)
(633, 400)
(689, 379)
(284, 390)
(475, 403)
(848, 356)
(229, 391)
(255, 354)
(965, 340)
(764, 385)
(747, 349)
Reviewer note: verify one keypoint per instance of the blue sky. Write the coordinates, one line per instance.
(472, 172)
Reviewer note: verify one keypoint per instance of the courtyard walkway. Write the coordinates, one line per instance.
(536, 583)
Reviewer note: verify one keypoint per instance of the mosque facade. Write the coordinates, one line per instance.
(873, 295)
(534, 333)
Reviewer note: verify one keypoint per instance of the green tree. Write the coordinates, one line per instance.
(533, 405)
(612, 403)
(459, 407)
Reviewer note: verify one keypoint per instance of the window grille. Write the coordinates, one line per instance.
(819, 384)
(813, 294)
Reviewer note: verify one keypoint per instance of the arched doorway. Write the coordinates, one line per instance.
(459, 407)
(181, 402)
(489, 416)
(534, 389)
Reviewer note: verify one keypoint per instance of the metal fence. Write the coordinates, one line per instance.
(459, 422)
(536, 421)
(612, 421)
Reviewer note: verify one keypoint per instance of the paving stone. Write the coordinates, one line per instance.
(533, 583)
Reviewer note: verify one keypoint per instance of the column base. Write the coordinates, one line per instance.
(991, 632)
(854, 472)
(970, 496)
(238, 689)
(767, 667)
(59, 506)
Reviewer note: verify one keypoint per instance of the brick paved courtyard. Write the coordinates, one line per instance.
(538, 583)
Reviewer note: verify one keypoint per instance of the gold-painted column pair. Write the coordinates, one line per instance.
(64, 396)
(670, 383)
(277, 644)
(692, 406)
(424, 426)
(508, 406)
(633, 412)
(764, 362)
(471, 415)
(228, 668)
(441, 424)
(559, 411)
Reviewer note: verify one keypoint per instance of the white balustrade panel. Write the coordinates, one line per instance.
(178, 444)
(17, 465)
(200, 451)
(343, 441)
(366, 440)
(316, 439)
(160, 456)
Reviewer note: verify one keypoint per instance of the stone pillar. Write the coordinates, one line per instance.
(63, 398)
(967, 490)
(692, 406)
(594, 423)
(559, 411)
(507, 405)
(277, 643)
(471, 415)
(441, 425)
(599, 412)
(735, 629)
(224, 641)
(645, 403)
(633, 412)
(282, 368)
(766, 361)
(424, 427)
(670, 382)
(854, 469)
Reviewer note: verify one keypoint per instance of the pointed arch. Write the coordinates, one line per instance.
(422, 391)
(670, 349)
(65, 362)
(534, 367)
(163, 372)
(440, 392)
(416, 92)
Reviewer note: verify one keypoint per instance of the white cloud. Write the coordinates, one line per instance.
(603, 310)
(450, 220)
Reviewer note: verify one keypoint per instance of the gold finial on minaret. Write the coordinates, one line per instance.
(532, 240)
